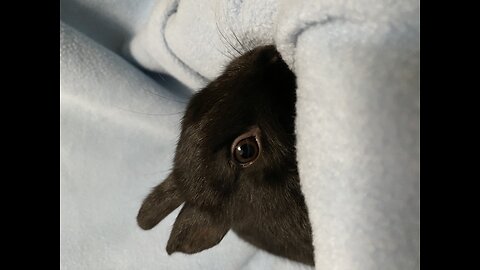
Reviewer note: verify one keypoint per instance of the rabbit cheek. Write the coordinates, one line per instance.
(205, 177)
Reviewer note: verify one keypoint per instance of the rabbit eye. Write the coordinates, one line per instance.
(246, 148)
(246, 151)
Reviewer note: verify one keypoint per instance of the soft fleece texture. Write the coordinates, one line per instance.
(118, 134)
(357, 67)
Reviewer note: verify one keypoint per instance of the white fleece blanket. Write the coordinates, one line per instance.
(357, 67)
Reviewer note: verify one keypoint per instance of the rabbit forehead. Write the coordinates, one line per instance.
(262, 95)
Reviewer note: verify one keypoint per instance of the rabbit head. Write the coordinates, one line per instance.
(235, 164)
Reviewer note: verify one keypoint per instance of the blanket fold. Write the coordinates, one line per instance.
(357, 67)
(357, 125)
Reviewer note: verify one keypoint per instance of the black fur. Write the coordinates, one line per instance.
(263, 202)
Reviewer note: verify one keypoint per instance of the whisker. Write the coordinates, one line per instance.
(226, 40)
(144, 113)
(157, 172)
(166, 98)
(230, 56)
(239, 42)
(161, 77)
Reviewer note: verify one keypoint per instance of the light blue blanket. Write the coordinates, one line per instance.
(357, 66)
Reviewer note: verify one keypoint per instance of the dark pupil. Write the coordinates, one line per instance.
(246, 150)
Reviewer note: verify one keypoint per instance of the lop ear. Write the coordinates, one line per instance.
(195, 230)
(163, 199)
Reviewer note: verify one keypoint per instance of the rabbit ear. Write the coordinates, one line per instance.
(163, 199)
(195, 230)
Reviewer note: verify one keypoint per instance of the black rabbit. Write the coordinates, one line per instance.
(235, 164)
